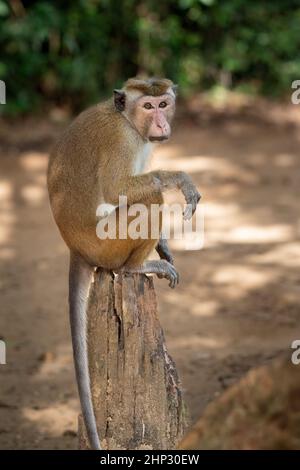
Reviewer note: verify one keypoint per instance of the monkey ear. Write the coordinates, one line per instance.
(119, 99)
(175, 89)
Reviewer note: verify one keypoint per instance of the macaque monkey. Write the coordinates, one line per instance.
(99, 157)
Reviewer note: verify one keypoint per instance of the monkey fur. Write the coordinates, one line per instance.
(100, 156)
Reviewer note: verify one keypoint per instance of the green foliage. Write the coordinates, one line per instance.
(74, 52)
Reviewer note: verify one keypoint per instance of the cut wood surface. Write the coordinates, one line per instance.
(135, 387)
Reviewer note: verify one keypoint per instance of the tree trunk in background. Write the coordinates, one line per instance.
(135, 387)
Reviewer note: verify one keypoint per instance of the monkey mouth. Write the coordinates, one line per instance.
(159, 138)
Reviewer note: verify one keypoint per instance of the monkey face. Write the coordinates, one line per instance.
(153, 116)
(150, 115)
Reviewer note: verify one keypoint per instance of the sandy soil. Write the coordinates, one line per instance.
(237, 305)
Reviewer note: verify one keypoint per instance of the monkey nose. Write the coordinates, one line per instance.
(162, 127)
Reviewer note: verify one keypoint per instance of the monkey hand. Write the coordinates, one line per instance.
(192, 197)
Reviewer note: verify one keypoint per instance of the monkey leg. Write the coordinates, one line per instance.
(163, 250)
(161, 268)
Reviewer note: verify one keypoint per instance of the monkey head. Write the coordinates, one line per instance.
(149, 105)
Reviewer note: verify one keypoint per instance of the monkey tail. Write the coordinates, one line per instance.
(80, 278)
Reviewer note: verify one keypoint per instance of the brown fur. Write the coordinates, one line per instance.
(83, 171)
(151, 86)
(94, 163)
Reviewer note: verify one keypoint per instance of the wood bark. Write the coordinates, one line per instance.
(135, 387)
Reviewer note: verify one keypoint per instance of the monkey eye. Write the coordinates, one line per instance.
(163, 104)
(148, 105)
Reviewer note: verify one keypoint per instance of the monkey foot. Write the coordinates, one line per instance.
(162, 268)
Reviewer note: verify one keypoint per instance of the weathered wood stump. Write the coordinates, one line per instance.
(135, 386)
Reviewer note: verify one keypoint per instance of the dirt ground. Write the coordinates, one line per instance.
(237, 305)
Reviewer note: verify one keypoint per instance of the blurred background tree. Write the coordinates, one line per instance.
(73, 53)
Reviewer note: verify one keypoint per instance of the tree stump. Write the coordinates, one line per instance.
(135, 387)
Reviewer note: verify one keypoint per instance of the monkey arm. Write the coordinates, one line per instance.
(136, 188)
(142, 187)
(181, 181)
